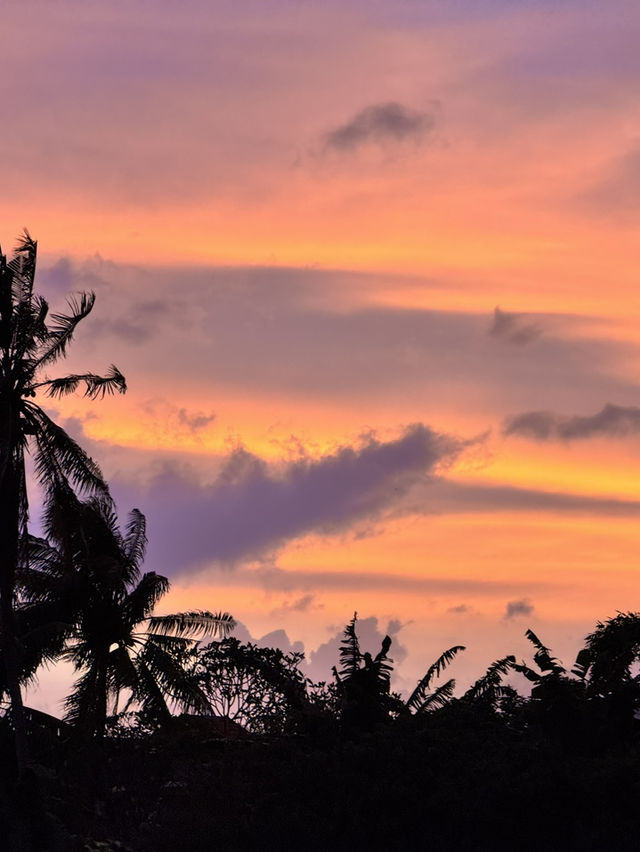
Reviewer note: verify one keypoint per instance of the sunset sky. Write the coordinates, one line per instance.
(371, 271)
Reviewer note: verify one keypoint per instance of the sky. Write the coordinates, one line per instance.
(371, 271)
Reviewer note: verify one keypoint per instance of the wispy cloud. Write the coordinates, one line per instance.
(516, 608)
(383, 123)
(613, 420)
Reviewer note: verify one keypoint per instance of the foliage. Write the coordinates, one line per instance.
(31, 340)
(84, 599)
(261, 689)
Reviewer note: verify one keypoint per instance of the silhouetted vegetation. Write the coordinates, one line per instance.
(170, 741)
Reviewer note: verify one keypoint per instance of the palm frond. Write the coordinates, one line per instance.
(418, 695)
(490, 682)
(350, 654)
(438, 698)
(135, 538)
(192, 624)
(542, 656)
(59, 458)
(23, 265)
(140, 602)
(529, 673)
(62, 327)
(95, 387)
(174, 682)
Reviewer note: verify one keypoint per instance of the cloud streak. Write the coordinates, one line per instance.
(612, 421)
(381, 124)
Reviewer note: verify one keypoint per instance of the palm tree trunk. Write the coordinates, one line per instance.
(9, 539)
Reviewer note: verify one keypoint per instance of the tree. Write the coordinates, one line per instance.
(31, 341)
(262, 689)
(364, 683)
(85, 600)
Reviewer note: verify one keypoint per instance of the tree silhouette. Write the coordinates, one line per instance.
(364, 683)
(423, 701)
(31, 341)
(85, 600)
(261, 689)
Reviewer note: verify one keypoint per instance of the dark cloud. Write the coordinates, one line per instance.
(513, 328)
(252, 509)
(195, 422)
(613, 420)
(515, 608)
(381, 123)
(461, 608)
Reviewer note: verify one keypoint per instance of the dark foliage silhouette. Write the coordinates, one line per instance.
(262, 689)
(84, 596)
(31, 340)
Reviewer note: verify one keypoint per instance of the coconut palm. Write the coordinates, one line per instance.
(85, 600)
(31, 340)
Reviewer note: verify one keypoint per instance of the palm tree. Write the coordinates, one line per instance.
(31, 341)
(85, 600)
(364, 683)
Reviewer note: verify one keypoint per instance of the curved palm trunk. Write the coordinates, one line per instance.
(10, 535)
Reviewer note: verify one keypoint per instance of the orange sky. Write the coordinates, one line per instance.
(299, 227)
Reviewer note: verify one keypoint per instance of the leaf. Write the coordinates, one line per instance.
(96, 387)
(62, 328)
(194, 623)
(419, 693)
(490, 683)
(350, 655)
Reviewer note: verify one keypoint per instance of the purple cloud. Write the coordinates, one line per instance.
(251, 510)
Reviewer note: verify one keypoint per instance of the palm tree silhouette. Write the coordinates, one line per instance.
(85, 600)
(364, 683)
(31, 341)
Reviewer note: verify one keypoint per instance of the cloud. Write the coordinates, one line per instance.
(513, 328)
(381, 124)
(515, 608)
(275, 578)
(275, 639)
(613, 420)
(446, 497)
(253, 509)
(461, 608)
(301, 604)
(195, 422)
